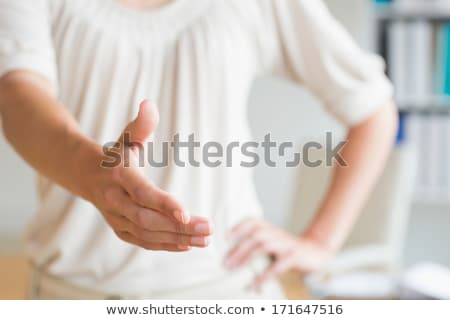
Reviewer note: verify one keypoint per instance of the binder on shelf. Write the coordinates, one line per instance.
(410, 56)
(432, 152)
(396, 56)
(415, 128)
(443, 63)
(420, 50)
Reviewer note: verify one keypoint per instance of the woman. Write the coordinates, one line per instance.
(72, 76)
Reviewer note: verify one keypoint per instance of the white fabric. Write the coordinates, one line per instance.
(197, 60)
(233, 285)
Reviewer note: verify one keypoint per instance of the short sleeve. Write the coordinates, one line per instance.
(25, 38)
(314, 49)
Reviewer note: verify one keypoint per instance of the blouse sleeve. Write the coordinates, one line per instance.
(314, 49)
(25, 38)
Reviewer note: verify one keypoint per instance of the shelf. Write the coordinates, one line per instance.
(433, 105)
(432, 110)
(390, 12)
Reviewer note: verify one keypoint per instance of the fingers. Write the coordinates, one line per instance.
(261, 243)
(247, 226)
(245, 250)
(253, 237)
(146, 194)
(122, 224)
(140, 129)
(256, 237)
(155, 221)
(151, 226)
(152, 220)
(280, 266)
(128, 237)
(174, 238)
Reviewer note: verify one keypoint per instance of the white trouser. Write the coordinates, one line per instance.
(231, 286)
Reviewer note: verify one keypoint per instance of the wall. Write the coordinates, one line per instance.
(17, 196)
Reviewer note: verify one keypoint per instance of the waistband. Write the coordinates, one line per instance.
(231, 285)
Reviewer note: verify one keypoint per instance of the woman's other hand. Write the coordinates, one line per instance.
(255, 237)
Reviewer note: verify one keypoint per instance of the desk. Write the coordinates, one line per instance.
(15, 275)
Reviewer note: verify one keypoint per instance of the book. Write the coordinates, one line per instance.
(397, 53)
(442, 83)
(421, 61)
(411, 62)
(446, 158)
(414, 136)
(443, 155)
(433, 150)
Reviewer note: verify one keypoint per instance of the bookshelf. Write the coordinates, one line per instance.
(387, 12)
(429, 110)
(409, 36)
(426, 108)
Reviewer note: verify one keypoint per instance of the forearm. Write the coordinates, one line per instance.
(43, 132)
(365, 153)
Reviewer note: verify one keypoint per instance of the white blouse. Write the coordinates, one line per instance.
(197, 60)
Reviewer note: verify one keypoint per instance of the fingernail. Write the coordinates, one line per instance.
(203, 228)
(200, 241)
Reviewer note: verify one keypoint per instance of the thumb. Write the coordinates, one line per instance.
(138, 130)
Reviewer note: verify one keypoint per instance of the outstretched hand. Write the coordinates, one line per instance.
(137, 210)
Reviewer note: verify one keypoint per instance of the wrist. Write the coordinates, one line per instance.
(320, 239)
(86, 167)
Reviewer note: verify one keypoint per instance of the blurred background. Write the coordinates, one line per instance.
(403, 234)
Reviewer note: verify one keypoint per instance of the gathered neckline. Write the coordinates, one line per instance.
(161, 10)
(174, 13)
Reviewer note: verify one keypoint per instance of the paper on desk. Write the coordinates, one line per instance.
(356, 285)
(426, 281)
